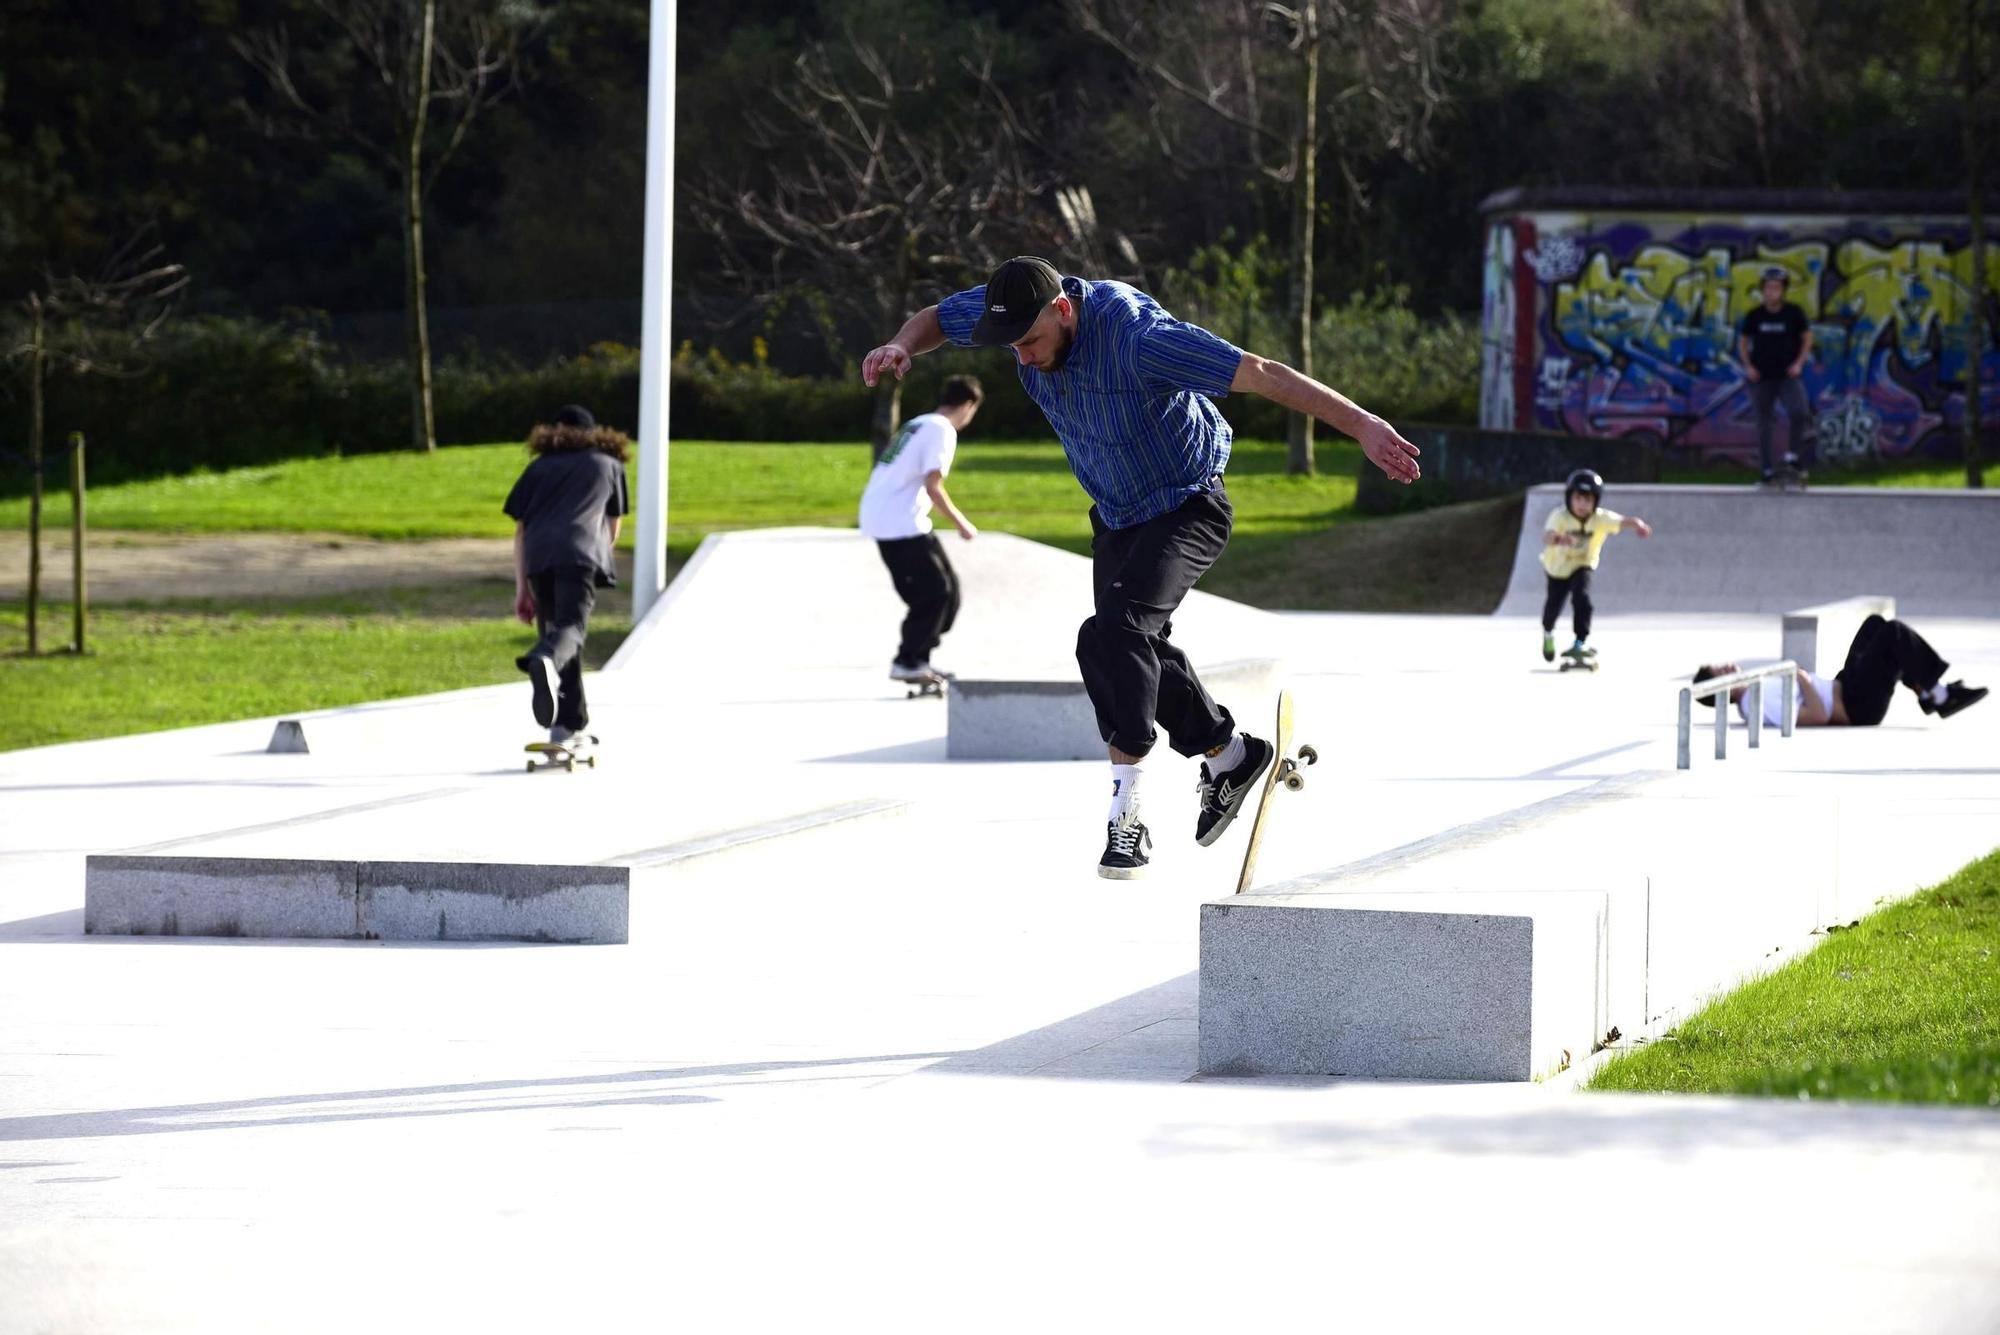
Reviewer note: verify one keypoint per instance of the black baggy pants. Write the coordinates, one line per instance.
(928, 586)
(564, 596)
(1883, 654)
(1576, 588)
(1134, 675)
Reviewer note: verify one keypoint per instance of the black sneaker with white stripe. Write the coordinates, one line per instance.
(1125, 845)
(541, 670)
(1222, 794)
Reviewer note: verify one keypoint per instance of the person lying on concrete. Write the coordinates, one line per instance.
(1884, 653)
(1774, 341)
(1128, 390)
(566, 506)
(896, 511)
(1572, 540)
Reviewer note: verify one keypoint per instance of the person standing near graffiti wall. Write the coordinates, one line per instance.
(1774, 341)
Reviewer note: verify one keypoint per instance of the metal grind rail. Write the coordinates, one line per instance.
(1751, 678)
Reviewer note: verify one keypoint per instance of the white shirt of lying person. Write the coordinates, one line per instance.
(1774, 699)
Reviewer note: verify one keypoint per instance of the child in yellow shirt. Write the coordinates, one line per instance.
(1571, 541)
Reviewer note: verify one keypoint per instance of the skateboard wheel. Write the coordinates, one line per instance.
(531, 767)
(570, 765)
(1308, 754)
(592, 762)
(1295, 781)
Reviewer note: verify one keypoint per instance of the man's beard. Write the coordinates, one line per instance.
(1062, 353)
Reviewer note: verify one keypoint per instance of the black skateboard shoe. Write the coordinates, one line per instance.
(1125, 845)
(1959, 696)
(541, 670)
(1222, 795)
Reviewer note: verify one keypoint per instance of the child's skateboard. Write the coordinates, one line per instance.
(931, 686)
(567, 755)
(1284, 769)
(1585, 659)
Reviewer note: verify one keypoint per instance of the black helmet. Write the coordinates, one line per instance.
(1585, 480)
(1774, 275)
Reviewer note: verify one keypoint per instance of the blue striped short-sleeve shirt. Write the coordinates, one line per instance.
(1132, 404)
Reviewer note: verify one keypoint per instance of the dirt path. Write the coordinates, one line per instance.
(150, 567)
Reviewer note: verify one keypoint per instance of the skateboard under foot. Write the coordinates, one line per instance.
(1584, 659)
(1287, 769)
(1785, 479)
(562, 755)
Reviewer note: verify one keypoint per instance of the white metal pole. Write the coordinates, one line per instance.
(649, 574)
(1686, 726)
(1722, 726)
(1756, 711)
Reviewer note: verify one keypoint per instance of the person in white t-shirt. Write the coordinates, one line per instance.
(1883, 655)
(896, 511)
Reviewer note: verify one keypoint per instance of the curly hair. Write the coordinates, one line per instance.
(546, 439)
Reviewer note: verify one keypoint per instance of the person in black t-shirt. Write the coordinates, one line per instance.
(1774, 342)
(566, 508)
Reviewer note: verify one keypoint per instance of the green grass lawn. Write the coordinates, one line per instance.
(1023, 488)
(184, 664)
(1904, 1007)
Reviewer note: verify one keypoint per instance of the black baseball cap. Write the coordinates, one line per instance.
(1015, 295)
(575, 414)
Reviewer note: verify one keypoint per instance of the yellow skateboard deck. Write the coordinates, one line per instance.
(1284, 769)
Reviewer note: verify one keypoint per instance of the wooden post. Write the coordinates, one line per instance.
(35, 354)
(78, 593)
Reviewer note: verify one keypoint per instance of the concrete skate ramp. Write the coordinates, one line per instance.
(789, 598)
(1736, 549)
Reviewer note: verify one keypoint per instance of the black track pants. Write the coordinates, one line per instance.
(1134, 675)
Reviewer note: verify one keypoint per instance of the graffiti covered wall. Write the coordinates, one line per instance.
(1610, 325)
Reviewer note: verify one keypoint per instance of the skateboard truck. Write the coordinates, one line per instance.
(1292, 773)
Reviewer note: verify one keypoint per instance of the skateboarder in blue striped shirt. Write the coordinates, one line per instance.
(1128, 390)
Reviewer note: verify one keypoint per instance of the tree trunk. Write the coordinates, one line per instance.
(1975, 473)
(35, 372)
(78, 598)
(887, 415)
(1299, 430)
(423, 426)
(888, 412)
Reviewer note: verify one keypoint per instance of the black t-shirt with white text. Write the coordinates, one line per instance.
(1775, 338)
(562, 500)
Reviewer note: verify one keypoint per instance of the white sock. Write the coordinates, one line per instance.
(1124, 791)
(1227, 756)
(1937, 694)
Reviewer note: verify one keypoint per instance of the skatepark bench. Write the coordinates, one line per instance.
(1830, 625)
(1720, 687)
(1051, 718)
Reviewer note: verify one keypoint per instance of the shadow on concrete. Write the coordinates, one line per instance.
(925, 751)
(45, 927)
(380, 1104)
(1669, 1126)
(1147, 1036)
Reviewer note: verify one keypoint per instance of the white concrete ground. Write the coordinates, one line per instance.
(920, 1073)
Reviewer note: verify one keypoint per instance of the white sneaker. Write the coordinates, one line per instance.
(922, 672)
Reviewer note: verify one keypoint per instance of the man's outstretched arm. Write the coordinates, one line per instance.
(1282, 385)
(920, 334)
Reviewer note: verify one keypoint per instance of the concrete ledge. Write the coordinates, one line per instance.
(1438, 987)
(339, 900)
(1051, 718)
(1828, 628)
